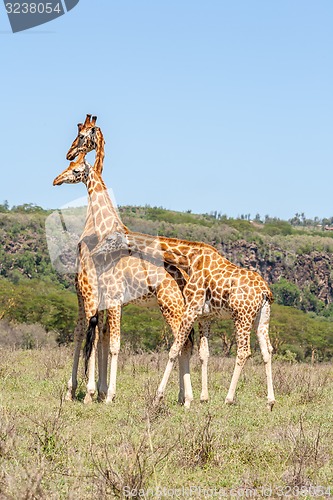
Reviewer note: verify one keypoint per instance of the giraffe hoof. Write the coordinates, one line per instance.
(158, 398)
(101, 397)
(88, 398)
(204, 397)
(270, 404)
(69, 396)
(229, 401)
(187, 404)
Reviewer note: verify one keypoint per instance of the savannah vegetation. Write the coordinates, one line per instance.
(51, 449)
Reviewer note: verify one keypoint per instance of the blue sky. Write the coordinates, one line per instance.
(205, 105)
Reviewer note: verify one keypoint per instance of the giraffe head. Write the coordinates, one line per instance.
(86, 138)
(76, 172)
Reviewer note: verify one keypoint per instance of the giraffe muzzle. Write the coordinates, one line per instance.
(71, 155)
(57, 181)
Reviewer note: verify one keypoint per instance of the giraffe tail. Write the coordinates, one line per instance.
(90, 340)
(268, 296)
(191, 337)
(190, 340)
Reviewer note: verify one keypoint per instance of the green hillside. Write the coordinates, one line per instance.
(295, 257)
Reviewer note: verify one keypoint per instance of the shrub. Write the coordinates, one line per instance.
(286, 293)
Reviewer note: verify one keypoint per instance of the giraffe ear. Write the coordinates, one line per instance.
(79, 126)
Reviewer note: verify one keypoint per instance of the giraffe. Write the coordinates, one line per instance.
(215, 288)
(129, 280)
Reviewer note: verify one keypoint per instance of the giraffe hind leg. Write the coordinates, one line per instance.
(261, 327)
(185, 387)
(243, 332)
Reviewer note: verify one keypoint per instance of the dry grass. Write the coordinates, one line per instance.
(54, 450)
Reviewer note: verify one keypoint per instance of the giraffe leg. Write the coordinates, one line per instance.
(173, 354)
(114, 316)
(184, 331)
(243, 352)
(87, 309)
(78, 338)
(91, 385)
(185, 396)
(99, 349)
(103, 352)
(72, 382)
(186, 354)
(261, 326)
(172, 308)
(181, 393)
(188, 395)
(204, 327)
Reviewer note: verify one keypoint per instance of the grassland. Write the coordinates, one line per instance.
(53, 449)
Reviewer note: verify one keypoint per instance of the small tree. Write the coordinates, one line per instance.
(286, 293)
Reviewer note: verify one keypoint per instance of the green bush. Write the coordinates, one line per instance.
(277, 227)
(286, 293)
(34, 301)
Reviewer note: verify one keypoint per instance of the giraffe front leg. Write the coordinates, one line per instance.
(114, 317)
(235, 376)
(173, 355)
(111, 394)
(176, 348)
(72, 382)
(78, 338)
(171, 303)
(204, 327)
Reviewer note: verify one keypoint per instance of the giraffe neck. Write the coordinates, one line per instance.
(102, 217)
(181, 253)
(100, 152)
(102, 214)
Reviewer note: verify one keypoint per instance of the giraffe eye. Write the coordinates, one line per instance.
(81, 136)
(76, 170)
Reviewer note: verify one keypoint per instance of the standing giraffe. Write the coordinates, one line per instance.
(216, 288)
(131, 280)
(90, 137)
